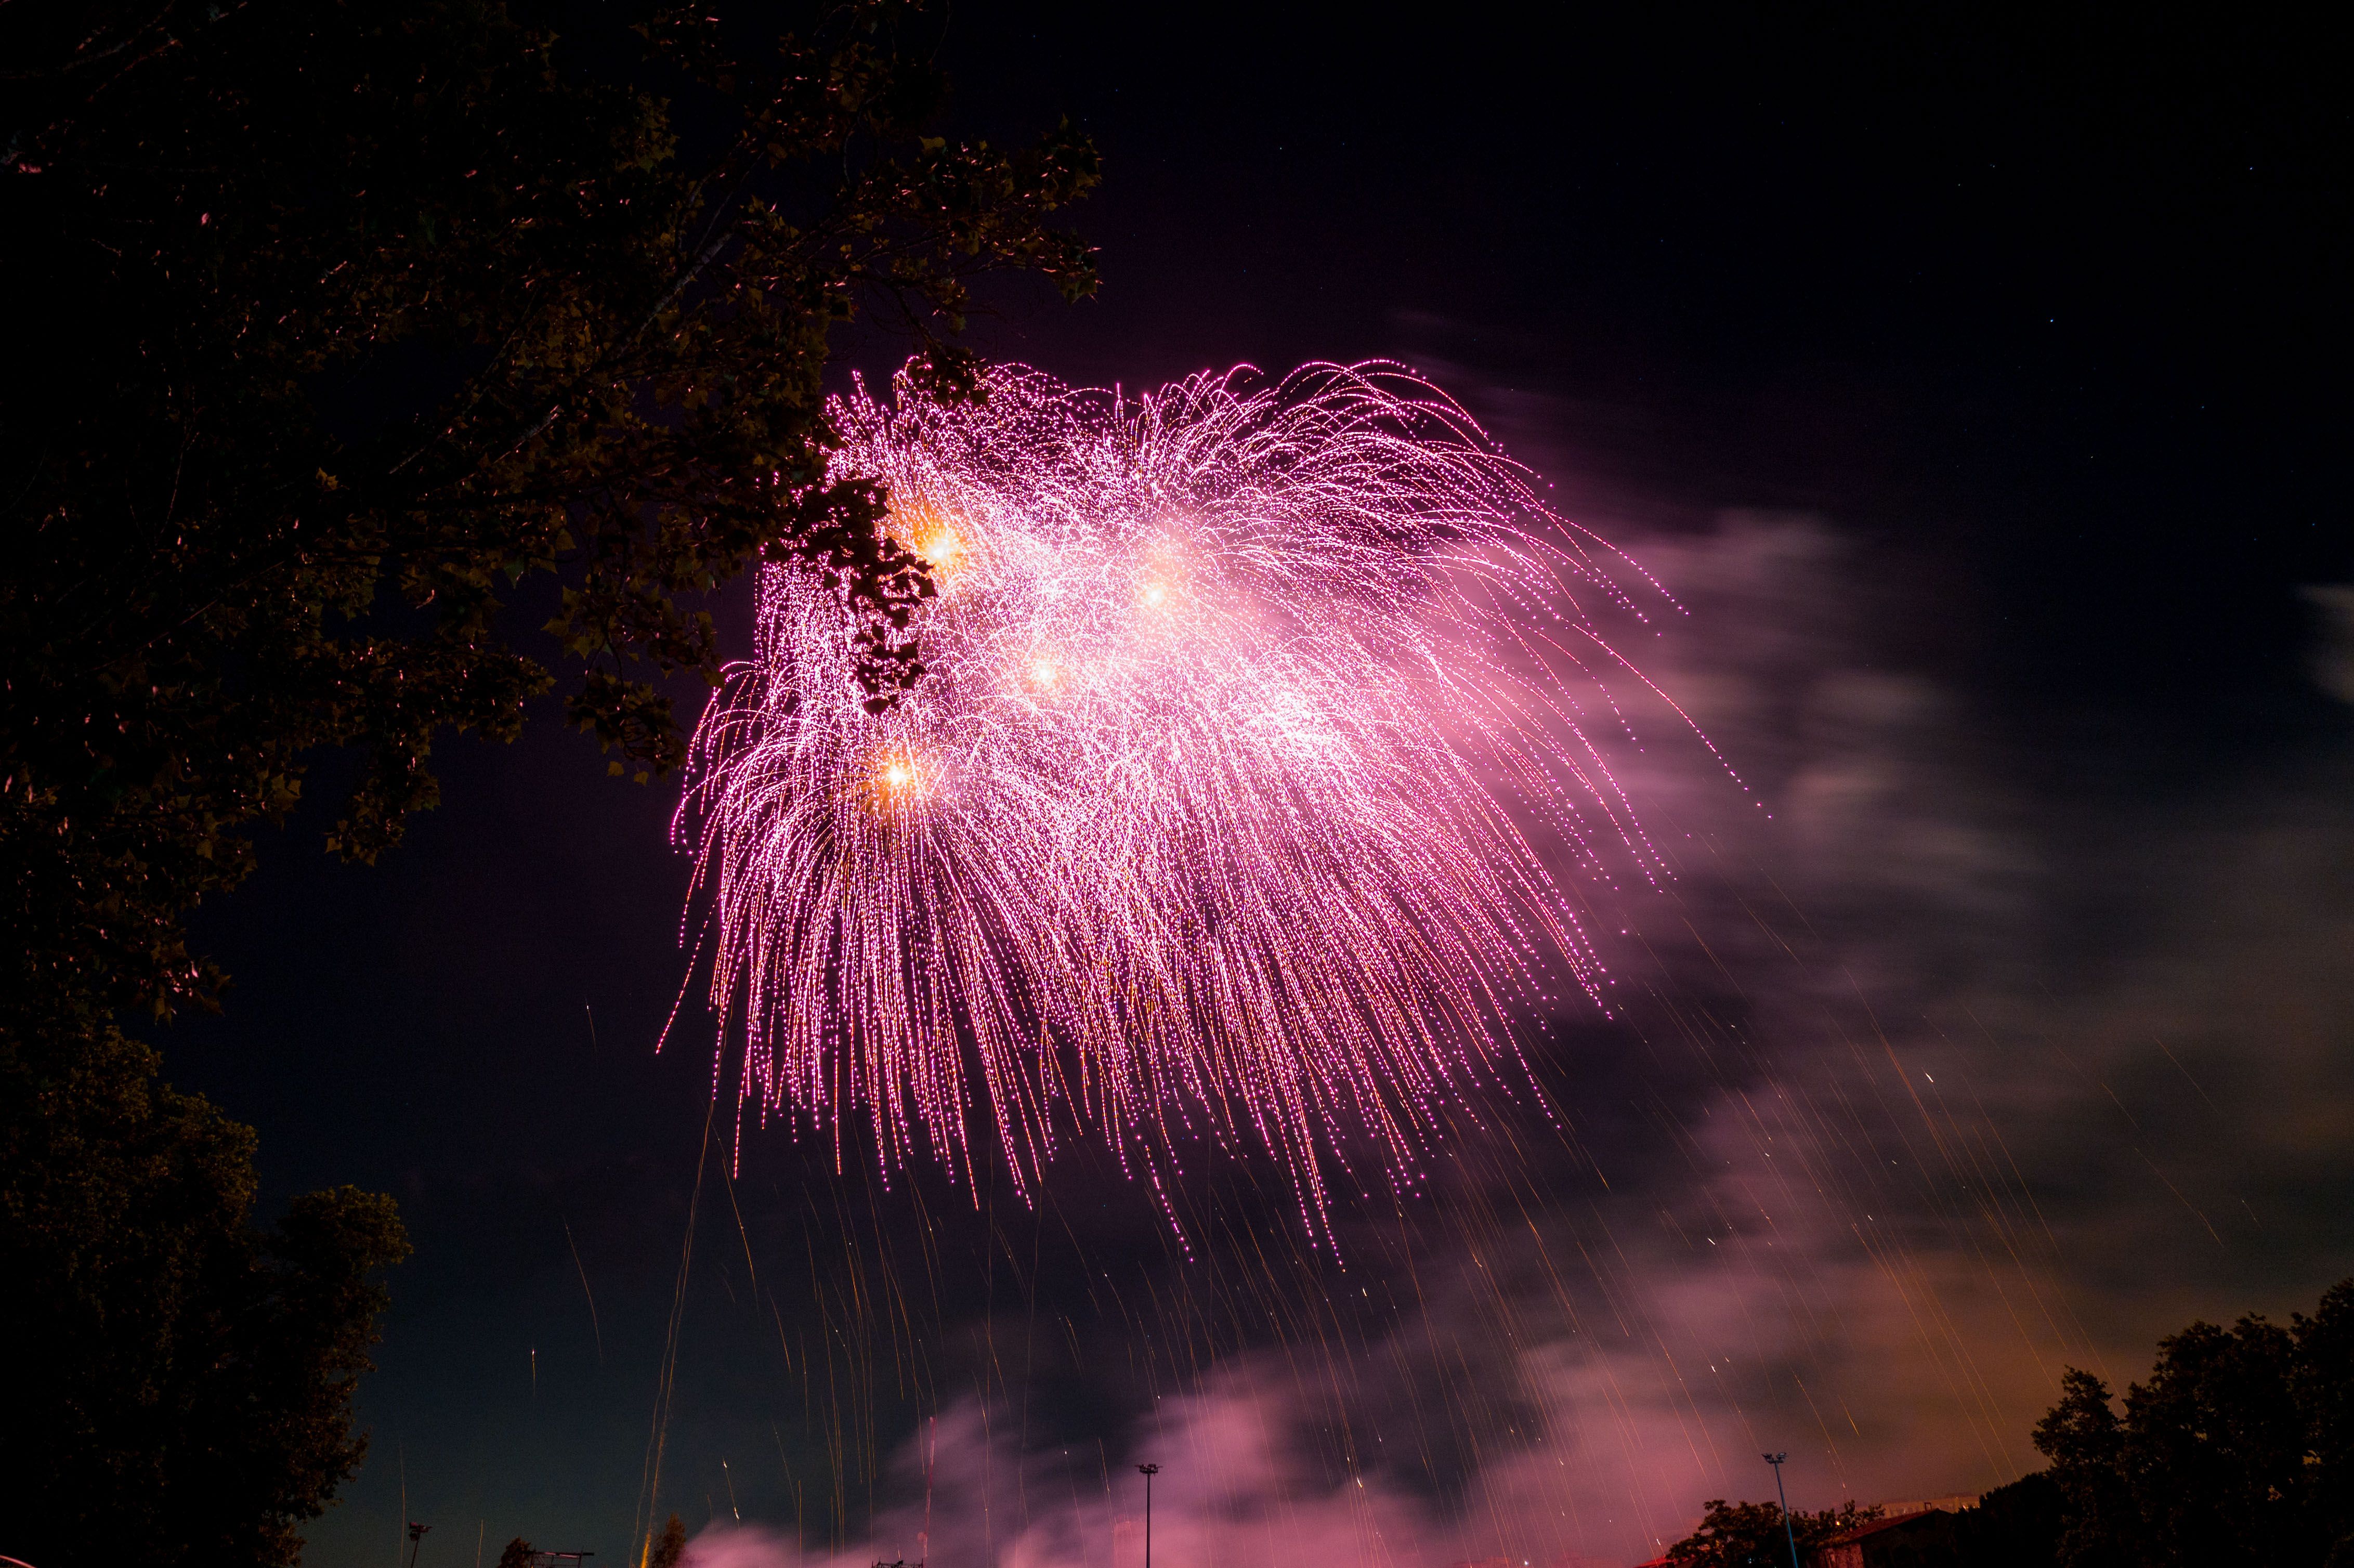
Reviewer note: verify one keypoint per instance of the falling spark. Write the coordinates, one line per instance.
(594, 1327)
(1253, 726)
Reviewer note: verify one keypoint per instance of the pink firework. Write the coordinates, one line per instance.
(1258, 730)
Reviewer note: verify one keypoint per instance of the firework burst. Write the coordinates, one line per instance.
(1254, 727)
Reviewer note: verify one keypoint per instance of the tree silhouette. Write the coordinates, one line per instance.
(2235, 1450)
(1750, 1535)
(178, 1382)
(350, 320)
(669, 1546)
(364, 315)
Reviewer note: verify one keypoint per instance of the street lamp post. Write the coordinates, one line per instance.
(415, 1538)
(1787, 1533)
(1148, 1472)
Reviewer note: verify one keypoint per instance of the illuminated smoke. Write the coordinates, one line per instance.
(1255, 726)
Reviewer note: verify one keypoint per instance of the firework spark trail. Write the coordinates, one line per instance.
(1254, 723)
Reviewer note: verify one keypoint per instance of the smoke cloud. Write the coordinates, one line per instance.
(1943, 1062)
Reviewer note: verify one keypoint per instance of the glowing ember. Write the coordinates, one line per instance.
(1256, 725)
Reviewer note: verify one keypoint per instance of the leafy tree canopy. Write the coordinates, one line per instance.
(2238, 1449)
(178, 1383)
(1750, 1535)
(669, 1547)
(334, 329)
(335, 324)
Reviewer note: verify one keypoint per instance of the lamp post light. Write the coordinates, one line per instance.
(1148, 1472)
(415, 1538)
(1787, 1533)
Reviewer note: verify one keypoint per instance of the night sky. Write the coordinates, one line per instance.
(1979, 390)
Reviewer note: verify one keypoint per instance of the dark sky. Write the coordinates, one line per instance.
(1979, 386)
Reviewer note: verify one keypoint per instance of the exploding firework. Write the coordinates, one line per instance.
(1263, 737)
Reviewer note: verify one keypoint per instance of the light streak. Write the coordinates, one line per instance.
(1258, 732)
